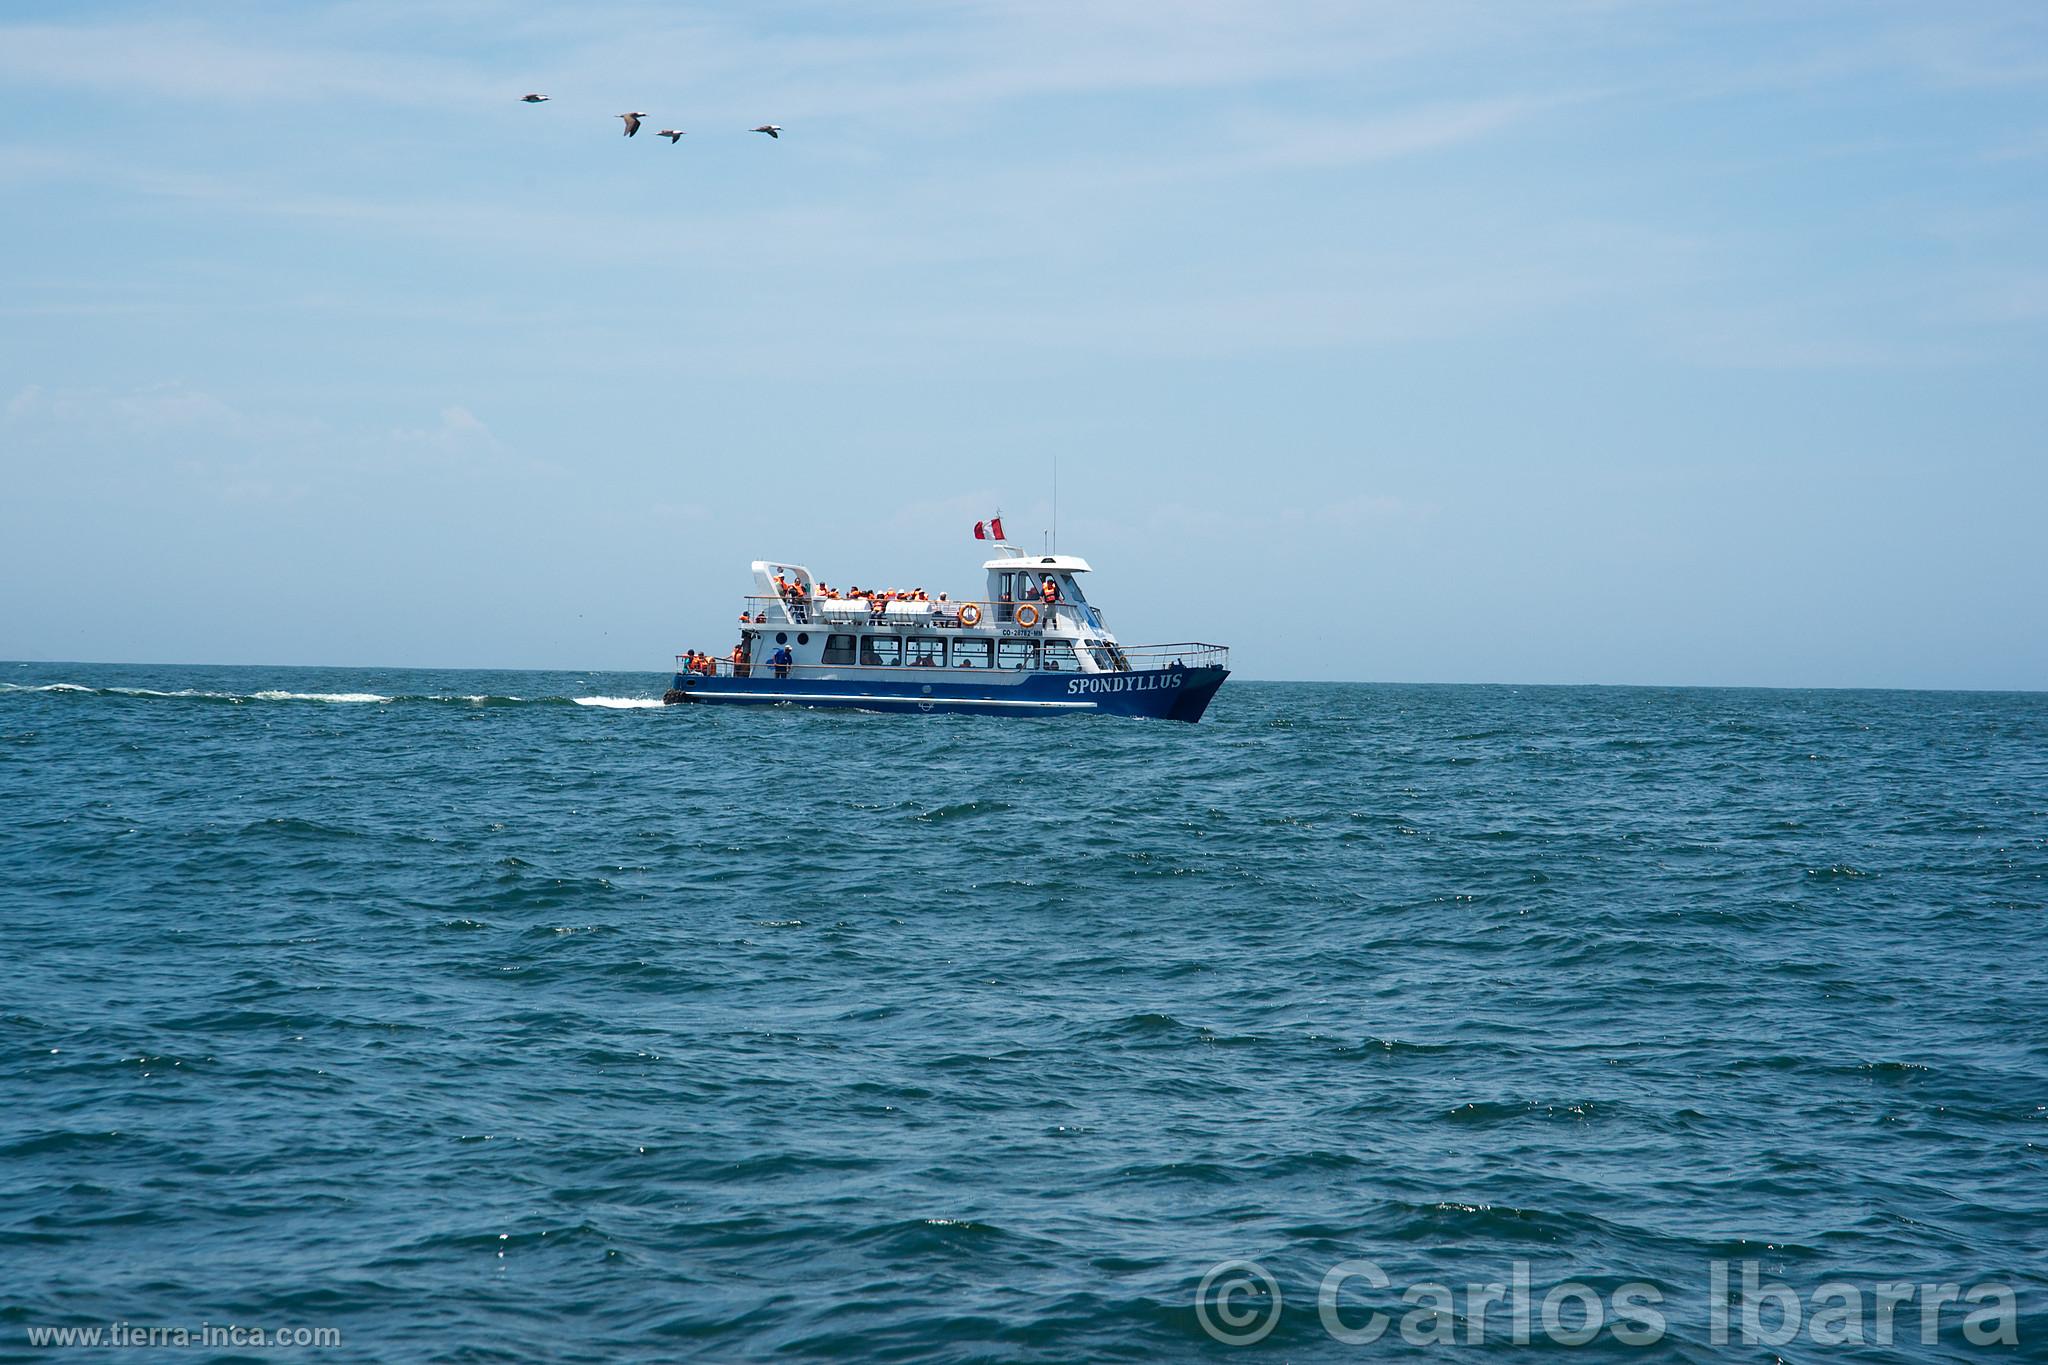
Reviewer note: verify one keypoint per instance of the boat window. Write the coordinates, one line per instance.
(1070, 588)
(1104, 660)
(927, 653)
(838, 649)
(970, 653)
(881, 651)
(1018, 653)
(1059, 657)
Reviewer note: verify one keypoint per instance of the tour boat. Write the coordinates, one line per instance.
(1031, 645)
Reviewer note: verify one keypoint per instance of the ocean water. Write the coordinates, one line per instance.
(509, 1016)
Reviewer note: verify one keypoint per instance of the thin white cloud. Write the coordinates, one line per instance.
(184, 62)
(167, 409)
(1274, 140)
(918, 60)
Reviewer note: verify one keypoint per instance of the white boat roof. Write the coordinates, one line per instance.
(1042, 563)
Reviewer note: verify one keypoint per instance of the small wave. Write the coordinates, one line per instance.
(618, 703)
(965, 810)
(318, 696)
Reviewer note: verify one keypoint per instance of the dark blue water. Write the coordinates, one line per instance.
(482, 1024)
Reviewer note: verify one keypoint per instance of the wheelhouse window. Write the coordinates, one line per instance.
(927, 653)
(1018, 654)
(881, 651)
(1059, 657)
(838, 649)
(970, 653)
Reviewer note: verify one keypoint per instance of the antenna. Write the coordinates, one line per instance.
(1055, 502)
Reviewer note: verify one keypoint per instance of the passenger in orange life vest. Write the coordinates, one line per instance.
(739, 660)
(1050, 592)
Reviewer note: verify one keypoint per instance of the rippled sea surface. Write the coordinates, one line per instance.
(487, 1016)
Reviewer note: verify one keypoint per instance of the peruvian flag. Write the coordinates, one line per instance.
(990, 529)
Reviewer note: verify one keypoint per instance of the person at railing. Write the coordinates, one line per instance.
(1005, 609)
(782, 659)
(739, 660)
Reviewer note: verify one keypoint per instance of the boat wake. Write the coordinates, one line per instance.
(331, 698)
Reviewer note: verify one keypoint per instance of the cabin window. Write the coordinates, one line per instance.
(1059, 657)
(970, 653)
(838, 649)
(881, 651)
(1104, 660)
(927, 653)
(1018, 654)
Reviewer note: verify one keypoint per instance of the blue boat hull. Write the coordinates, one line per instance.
(1159, 693)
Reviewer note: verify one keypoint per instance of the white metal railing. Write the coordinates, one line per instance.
(967, 614)
(1139, 657)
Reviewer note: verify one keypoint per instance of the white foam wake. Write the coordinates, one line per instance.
(369, 698)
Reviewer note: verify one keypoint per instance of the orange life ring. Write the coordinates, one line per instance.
(1027, 621)
(970, 615)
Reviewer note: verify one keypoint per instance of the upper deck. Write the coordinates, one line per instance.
(1033, 619)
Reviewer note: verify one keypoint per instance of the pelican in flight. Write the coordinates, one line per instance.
(533, 99)
(773, 130)
(633, 122)
(674, 135)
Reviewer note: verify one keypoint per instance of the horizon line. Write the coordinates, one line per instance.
(1284, 682)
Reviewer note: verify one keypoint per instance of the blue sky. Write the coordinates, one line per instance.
(1544, 342)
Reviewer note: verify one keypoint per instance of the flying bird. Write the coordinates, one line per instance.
(632, 122)
(674, 135)
(771, 129)
(533, 99)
